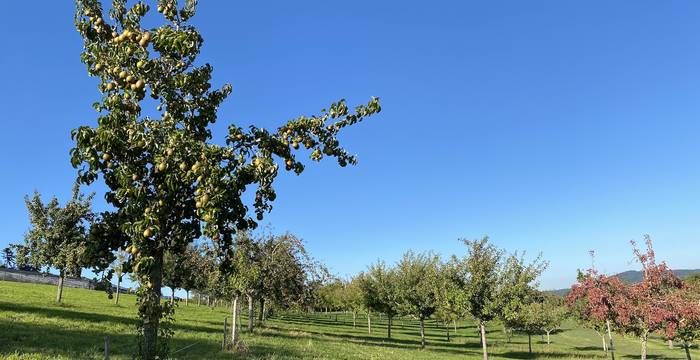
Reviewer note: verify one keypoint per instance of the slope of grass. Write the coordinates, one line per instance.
(32, 326)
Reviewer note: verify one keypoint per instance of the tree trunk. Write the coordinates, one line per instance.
(549, 341)
(422, 333)
(369, 323)
(199, 299)
(261, 315)
(529, 343)
(611, 347)
(644, 346)
(119, 284)
(454, 322)
(172, 295)
(482, 329)
(388, 326)
(238, 319)
(354, 319)
(149, 307)
(670, 344)
(447, 328)
(686, 346)
(251, 314)
(605, 345)
(59, 293)
(187, 297)
(234, 337)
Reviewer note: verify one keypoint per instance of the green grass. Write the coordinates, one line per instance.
(33, 326)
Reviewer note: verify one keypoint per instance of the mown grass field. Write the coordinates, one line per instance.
(32, 326)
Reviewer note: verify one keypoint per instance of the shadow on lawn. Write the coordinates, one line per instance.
(62, 312)
(434, 332)
(652, 356)
(438, 346)
(536, 355)
(49, 341)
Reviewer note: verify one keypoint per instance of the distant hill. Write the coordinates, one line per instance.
(631, 277)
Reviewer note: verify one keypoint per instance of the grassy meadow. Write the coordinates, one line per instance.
(33, 326)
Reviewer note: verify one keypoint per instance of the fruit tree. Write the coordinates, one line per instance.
(166, 178)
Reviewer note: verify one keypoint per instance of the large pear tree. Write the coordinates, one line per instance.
(166, 178)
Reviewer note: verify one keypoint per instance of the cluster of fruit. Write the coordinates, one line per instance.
(142, 39)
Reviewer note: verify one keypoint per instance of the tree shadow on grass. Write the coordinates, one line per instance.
(49, 341)
(63, 313)
(409, 328)
(453, 348)
(589, 348)
(537, 355)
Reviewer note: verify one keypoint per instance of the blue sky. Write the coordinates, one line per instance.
(551, 126)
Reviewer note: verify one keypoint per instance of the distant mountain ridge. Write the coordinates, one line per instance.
(631, 277)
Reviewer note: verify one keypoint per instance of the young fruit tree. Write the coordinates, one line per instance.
(283, 272)
(59, 236)
(380, 292)
(538, 317)
(477, 284)
(684, 326)
(646, 308)
(553, 314)
(418, 284)
(166, 178)
(596, 300)
(8, 258)
(517, 287)
(117, 267)
(190, 263)
(448, 309)
(352, 298)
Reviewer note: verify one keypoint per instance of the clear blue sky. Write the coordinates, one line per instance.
(553, 126)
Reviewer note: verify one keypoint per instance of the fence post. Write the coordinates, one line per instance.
(106, 347)
(223, 343)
